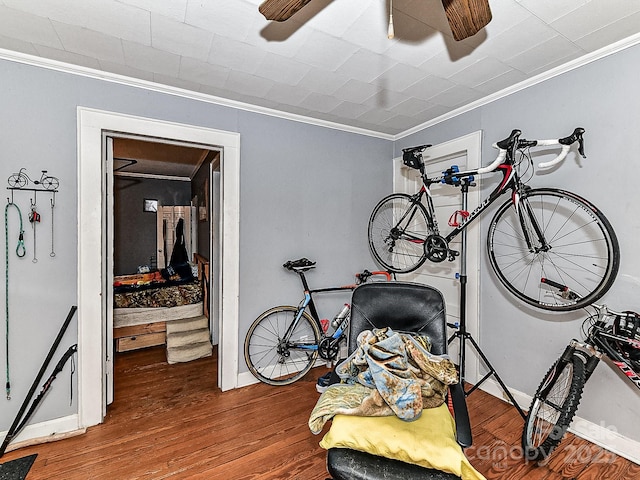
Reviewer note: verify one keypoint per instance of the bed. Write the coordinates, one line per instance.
(144, 303)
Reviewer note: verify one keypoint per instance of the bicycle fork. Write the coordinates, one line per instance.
(586, 352)
(529, 223)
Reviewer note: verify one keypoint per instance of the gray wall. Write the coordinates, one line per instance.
(135, 230)
(308, 191)
(602, 97)
(305, 190)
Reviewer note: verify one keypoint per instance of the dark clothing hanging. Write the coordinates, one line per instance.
(179, 255)
(179, 263)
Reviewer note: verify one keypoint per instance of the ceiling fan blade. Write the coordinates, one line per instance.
(466, 17)
(280, 10)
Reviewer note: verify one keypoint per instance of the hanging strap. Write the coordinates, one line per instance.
(20, 252)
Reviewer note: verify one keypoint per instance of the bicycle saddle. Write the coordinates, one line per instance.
(412, 156)
(300, 264)
(419, 148)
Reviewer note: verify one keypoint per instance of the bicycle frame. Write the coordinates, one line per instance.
(597, 345)
(307, 302)
(510, 181)
(599, 336)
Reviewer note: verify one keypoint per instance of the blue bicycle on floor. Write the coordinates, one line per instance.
(283, 343)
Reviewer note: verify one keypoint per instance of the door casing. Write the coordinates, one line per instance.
(91, 211)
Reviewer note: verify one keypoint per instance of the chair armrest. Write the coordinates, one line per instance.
(461, 415)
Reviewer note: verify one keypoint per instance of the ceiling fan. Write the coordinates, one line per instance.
(466, 17)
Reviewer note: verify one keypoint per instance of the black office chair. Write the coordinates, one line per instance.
(405, 307)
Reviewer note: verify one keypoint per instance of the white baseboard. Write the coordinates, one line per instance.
(597, 434)
(245, 379)
(44, 432)
(606, 438)
(492, 387)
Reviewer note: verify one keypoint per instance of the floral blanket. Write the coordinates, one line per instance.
(390, 373)
(160, 296)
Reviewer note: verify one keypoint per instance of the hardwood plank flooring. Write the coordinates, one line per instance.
(171, 422)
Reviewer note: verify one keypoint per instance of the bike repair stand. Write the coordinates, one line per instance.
(461, 330)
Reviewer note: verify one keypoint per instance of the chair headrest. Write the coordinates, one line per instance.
(403, 306)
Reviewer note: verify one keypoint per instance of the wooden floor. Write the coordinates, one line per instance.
(170, 421)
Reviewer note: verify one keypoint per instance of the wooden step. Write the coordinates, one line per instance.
(186, 324)
(187, 337)
(187, 353)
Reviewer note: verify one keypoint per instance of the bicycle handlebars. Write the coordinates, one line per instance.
(363, 276)
(566, 143)
(513, 142)
(412, 156)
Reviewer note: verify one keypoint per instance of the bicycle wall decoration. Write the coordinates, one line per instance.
(21, 181)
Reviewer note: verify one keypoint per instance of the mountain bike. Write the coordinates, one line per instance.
(609, 334)
(284, 342)
(538, 233)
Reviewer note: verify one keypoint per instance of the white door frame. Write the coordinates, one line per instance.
(471, 146)
(91, 316)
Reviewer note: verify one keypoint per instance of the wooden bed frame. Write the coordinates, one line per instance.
(136, 328)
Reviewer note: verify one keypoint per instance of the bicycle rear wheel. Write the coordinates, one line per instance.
(553, 407)
(579, 249)
(17, 180)
(398, 228)
(274, 361)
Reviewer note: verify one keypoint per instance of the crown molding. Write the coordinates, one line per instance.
(59, 66)
(554, 72)
(170, 90)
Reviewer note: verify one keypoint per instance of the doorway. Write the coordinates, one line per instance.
(93, 175)
(160, 186)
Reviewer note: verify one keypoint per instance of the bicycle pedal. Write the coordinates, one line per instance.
(453, 254)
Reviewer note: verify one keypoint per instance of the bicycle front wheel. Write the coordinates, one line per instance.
(398, 228)
(50, 183)
(553, 407)
(554, 235)
(273, 360)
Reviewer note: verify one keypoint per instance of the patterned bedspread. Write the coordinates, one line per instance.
(160, 296)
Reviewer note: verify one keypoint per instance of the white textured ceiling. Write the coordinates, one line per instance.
(332, 61)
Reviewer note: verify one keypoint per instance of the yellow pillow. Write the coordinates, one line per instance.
(428, 441)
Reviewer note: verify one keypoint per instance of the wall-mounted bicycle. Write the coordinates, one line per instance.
(538, 233)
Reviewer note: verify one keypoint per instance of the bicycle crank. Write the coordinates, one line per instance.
(437, 250)
(328, 348)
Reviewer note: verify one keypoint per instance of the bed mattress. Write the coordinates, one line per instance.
(160, 296)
